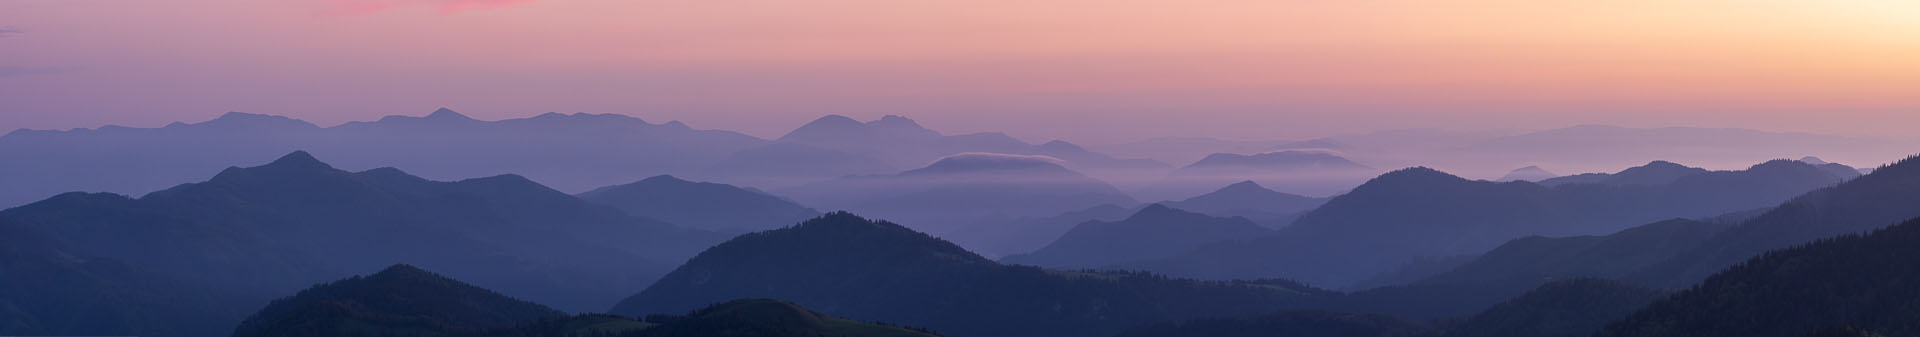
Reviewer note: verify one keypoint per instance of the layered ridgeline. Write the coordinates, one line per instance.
(1155, 232)
(572, 152)
(1249, 200)
(1678, 253)
(960, 189)
(852, 267)
(49, 291)
(702, 205)
(1866, 282)
(406, 301)
(1316, 173)
(1419, 213)
(834, 146)
(296, 221)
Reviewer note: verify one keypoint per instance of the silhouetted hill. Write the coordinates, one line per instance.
(1565, 308)
(296, 221)
(572, 152)
(1155, 232)
(1866, 281)
(1283, 323)
(998, 236)
(1423, 213)
(852, 267)
(400, 297)
(49, 291)
(1529, 173)
(1314, 173)
(1250, 200)
(960, 189)
(703, 205)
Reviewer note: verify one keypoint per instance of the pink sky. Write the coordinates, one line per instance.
(1084, 70)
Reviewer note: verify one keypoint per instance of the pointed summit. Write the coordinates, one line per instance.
(825, 128)
(1529, 173)
(447, 114)
(1243, 186)
(1812, 160)
(298, 159)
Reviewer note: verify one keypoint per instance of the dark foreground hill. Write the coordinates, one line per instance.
(853, 267)
(406, 301)
(1870, 282)
(48, 291)
(401, 297)
(1565, 308)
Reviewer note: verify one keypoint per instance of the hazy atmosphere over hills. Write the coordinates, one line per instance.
(1050, 168)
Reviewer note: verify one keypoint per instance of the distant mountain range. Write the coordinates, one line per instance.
(1423, 213)
(872, 270)
(702, 205)
(569, 151)
(1155, 232)
(960, 189)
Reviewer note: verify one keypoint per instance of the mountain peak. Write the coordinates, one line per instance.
(403, 270)
(1244, 185)
(1661, 164)
(1529, 173)
(299, 159)
(1159, 211)
(447, 114)
(1813, 160)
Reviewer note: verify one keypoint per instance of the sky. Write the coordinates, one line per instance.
(1083, 70)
